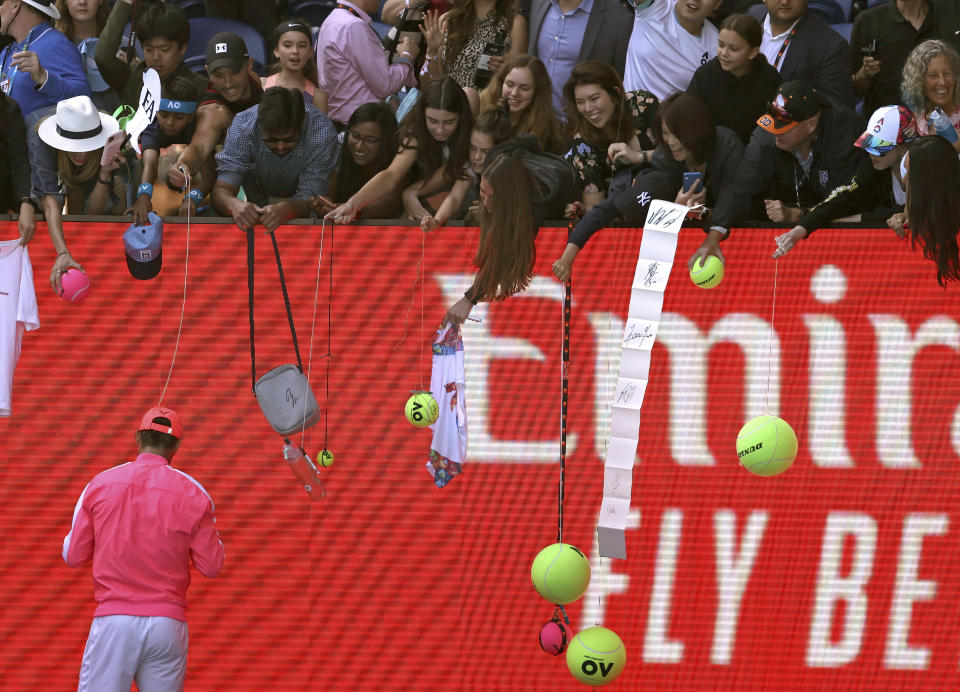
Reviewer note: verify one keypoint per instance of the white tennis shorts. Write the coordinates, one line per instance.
(124, 648)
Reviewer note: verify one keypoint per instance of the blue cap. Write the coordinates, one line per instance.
(144, 246)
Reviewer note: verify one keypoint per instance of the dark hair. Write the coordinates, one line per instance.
(688, 118)
(303, 26)
(506, 252)
(461, 21)
(281, 110)
(352, 177)
(65, 24)
(933, 204)
(160, 20)
(180, 88)
(166, 444)
(595, 72)
(446, 95)
(493, 122)
(745, 25)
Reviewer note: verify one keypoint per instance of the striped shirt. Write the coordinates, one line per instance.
(301, 174)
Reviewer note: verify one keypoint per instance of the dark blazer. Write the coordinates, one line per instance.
(817, 55)
(14, 162)
(606, 37)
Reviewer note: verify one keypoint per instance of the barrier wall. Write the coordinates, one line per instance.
(841, 573)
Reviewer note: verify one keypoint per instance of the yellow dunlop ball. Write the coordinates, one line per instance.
(707, 275)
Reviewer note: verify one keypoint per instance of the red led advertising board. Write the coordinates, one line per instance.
(840, 573)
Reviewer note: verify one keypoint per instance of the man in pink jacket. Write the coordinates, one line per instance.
(142, 523)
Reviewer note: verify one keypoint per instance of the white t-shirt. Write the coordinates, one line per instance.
(770, 45)
(18, 312)
(662, 56)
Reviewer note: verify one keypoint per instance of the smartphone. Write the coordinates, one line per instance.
(692, 179)
(112, 146)
(869, 49)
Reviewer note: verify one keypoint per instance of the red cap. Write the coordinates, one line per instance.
(148, 422)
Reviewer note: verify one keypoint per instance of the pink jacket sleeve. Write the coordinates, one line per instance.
(78, 544)
(206, 548)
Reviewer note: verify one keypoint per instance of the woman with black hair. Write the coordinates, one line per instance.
(434, 141)
(15, 168)
(370, 141)
(931, 173)
(687, 143)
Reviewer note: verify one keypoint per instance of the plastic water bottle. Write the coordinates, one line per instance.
(941, 123)
(304, 470)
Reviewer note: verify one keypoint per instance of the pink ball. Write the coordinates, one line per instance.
(76, 285)
(554, 637)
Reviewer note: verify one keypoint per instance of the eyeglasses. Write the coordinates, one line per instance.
(369, 140)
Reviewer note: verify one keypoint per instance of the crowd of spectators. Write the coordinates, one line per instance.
(744, 112)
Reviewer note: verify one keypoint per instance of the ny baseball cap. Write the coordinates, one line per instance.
(144, 247)
(226, 49)
(795, 101)
(887, 127)
(173, 427)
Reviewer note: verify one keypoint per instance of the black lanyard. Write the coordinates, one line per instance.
(783, 48)
(349, 9)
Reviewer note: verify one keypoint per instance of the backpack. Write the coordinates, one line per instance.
(555, 176)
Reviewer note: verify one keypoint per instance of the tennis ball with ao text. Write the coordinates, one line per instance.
(596, 656)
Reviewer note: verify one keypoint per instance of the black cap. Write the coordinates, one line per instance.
(795, 101)
(226, 49)
(634, 202)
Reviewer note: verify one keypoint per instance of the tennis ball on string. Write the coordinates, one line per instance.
(422, 409)
(766, 445)
(554, 636)
(560, 573)
(596, 656)
(325, 458)
(708, 274)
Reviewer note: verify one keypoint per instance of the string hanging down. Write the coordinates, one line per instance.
(564, 367)
(183, 302)
(329, 354)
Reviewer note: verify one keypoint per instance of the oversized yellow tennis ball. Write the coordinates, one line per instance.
(560, 573)
(708, 275)
(325, 458)
(422, 409)
(596, 656)
(766, 445)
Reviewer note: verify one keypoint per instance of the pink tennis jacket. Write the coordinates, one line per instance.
(143, 523)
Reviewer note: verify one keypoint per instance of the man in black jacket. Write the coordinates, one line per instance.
(804, 47)
(802, 150)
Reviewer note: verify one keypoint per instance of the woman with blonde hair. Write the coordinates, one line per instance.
(930, 81)
(522, 91)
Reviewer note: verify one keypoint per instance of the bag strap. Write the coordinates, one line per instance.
(286, 299)
(253, 357)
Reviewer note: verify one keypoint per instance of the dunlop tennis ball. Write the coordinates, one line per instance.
(766, 445)
(709, 274)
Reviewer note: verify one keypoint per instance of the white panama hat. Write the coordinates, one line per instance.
(78, 126)
(45, 6)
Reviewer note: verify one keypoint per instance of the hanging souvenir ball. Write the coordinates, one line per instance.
(422, 409)
(596, 656)
(766, 445)
(554, 636)
(325, 458)
(560, 573)
(75, 285)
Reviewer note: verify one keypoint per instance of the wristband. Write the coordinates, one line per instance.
(32, 202)
(104, 182)
(145, 189)
(195, 195)
(407, 53)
